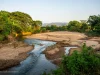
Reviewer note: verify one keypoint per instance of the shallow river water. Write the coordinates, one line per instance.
(36, 63)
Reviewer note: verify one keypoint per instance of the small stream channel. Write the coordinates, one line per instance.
(36, 63)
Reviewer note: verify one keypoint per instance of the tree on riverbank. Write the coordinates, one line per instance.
(12, 23)
(94, 22)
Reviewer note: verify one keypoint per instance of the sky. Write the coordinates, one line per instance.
(53, 10)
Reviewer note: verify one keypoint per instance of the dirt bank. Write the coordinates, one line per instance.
(58, 36)
(64, 39)
(75, 38)
(12, 53)
(54, 53)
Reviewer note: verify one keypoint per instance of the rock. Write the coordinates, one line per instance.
(73, 49)
(53, 51)
(41, 44)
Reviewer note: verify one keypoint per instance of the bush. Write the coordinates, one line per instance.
(43, 29)
(37, 31)
(86, 62)
(92, 33)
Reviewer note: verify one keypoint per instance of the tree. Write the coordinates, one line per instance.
(23, 19)
(53, 27)
(94, 21)
(14, 22)
(74, 26)
(37, 24)
(84, 27)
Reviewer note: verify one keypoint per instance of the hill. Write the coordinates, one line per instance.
(55, 23)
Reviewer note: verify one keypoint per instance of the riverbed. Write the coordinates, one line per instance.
(36, 63)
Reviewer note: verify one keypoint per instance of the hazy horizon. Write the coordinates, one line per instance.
(53, 10)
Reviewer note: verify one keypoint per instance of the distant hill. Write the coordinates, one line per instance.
(55, 23)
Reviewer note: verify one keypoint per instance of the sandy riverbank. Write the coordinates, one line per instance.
(12, 53)
(58, 36)
(75, 38)
(65, 38)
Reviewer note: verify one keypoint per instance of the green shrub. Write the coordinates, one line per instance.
(43, 29)
(86, 62)
(37, 31)
(92, 33)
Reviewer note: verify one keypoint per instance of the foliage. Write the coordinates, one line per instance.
(56, 28)
(85, 62)
(37, 24)
(17, 22)
(92, 33)
(93, 21)
(74, 26)
(37, 31)
(84, 27)
(43, 29)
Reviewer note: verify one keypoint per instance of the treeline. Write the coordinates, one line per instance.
(90, 27)
(55, 28)
(12, 23)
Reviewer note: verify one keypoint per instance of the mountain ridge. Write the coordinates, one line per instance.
(55, 23)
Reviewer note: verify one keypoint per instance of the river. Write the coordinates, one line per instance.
(36, 63)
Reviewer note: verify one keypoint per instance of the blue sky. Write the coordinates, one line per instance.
(54, 10)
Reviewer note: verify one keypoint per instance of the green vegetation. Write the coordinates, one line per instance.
(12, 23)
(91, 27)
(74, 26)
(56, 28)
(86, 62)
(94, 22)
